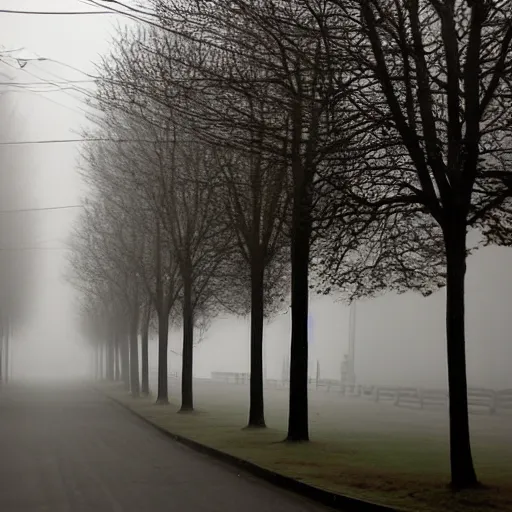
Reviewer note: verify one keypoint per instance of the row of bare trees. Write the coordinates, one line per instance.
(165, 234)
(256, 147)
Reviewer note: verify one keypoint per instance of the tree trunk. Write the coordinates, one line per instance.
(134, 353)
(298, 428)
(163, 341)
(110, 359)
(163, 325)
(7, 355)
(256, 405)
(117, 369)
(145, 351)
(2, 355)
(114, 358)
(187, 396)
(1, 359)
(107, 359)
(462, 471)
(122, 340)
(98, 372)
(101, 366)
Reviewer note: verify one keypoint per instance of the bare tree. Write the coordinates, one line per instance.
(144, 339)
(135, 172)
(99, 254)
(200, 241)
(426, 156)
(247, 52)
(255, 202)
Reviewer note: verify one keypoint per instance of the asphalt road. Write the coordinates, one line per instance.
(69, 449)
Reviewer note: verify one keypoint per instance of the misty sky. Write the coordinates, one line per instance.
(399, 339)
(76, 41)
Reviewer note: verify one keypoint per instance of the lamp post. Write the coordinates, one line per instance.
(351, 376)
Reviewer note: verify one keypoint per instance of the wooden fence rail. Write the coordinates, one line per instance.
(479, 399)
(504, 399)
(231, 377)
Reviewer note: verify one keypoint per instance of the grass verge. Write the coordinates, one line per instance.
(402, 469)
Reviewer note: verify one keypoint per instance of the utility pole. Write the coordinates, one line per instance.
(351, 375)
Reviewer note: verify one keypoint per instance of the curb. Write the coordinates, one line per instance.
(330, 499)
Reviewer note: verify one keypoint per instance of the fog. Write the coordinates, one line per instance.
(48, 344)
(69, 353)
(399, 339)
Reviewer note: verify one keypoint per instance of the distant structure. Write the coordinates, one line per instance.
(348, 374)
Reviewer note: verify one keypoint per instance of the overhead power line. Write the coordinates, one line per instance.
(123, 5)
(130, 12)
(47, 208)
(47, 82)
(55, 13)
(22, 62)
(14, 249)
(54, 141)
(65, 141)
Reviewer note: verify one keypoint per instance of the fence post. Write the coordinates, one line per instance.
(493, 407)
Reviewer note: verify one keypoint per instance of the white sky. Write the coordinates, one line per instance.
(77, 41)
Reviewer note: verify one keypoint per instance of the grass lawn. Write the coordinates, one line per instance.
(378, 452)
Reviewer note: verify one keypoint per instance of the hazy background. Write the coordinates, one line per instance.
(399, 339)
(50, 345)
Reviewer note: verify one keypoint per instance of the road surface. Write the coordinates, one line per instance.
(70, 449)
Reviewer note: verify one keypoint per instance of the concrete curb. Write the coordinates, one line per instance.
(330, 499)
